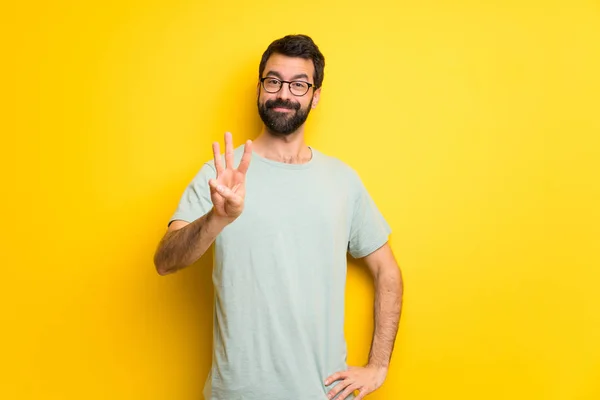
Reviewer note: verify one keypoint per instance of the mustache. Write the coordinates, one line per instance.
(282, 103)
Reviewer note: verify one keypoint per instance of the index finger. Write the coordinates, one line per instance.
(246, 157)
(338, 376)
(217, 155)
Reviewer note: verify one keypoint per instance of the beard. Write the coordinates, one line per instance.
(282, 123)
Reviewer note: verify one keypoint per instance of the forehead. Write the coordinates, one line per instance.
(289, 67)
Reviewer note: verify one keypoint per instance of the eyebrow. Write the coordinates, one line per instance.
(278, 75)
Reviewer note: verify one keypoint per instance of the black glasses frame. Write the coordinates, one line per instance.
(262, 81)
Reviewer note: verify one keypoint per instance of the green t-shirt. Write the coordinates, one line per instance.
(279, 275)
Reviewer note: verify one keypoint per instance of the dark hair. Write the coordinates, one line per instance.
(296, 46)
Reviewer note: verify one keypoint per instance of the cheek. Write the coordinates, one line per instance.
(263, 97)
(309, 105)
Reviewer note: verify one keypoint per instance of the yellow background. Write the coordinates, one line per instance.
(473, 124)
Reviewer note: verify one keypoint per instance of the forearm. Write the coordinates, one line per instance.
(387, 310)
(183, 247)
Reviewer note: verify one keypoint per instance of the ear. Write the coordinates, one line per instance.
(316, 97)
(258, 89)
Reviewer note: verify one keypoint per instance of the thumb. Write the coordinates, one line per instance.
(226, 192)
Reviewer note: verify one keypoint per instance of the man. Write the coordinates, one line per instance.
(282, 223)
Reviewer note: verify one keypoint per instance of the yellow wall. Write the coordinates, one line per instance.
(473, 124)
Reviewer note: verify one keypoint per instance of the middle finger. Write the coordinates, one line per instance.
(338, 388)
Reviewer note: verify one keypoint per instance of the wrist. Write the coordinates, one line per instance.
(378, 367)
(218, 221)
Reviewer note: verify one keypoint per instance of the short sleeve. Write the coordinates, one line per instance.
(368, 228)
(195, 201)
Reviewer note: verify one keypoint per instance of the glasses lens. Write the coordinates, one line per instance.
(298, 88)
(272, 85)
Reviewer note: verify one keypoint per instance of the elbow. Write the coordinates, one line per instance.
(162, 271)
(396, 277)
(162, 268)
(391, 277)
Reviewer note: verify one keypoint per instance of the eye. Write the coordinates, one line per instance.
(299, 85)
(273, 81)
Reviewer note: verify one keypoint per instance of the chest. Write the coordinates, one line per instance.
(306, 203)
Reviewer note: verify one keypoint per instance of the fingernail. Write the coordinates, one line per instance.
(220, 188)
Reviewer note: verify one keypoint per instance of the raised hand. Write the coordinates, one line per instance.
(228, 190)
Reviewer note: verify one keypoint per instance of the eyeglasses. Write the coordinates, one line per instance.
(274, 85)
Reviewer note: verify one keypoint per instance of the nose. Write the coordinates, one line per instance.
(284, 93)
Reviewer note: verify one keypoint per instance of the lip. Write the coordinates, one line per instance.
(282, 109)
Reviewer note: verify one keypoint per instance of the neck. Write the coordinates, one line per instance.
(289, 149)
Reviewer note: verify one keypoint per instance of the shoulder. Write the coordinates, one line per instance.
(336, 166)
(207, 171)
(346, 176)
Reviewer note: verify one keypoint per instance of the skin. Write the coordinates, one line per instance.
(184, 242)
(290, 148)
(388, 304)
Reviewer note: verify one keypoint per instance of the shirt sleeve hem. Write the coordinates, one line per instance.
(365, 251)
(182, 217)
